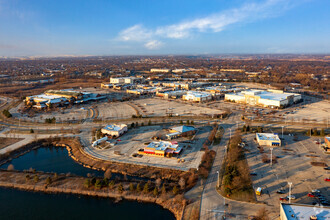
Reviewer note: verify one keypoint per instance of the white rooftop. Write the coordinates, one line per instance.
(114, 127)
(198, 94)
(304, 212)
(263, 94)
(268, 136)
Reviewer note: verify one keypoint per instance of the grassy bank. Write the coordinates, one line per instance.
(235, 177)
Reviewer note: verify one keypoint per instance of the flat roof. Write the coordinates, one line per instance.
(263, 94)
(304, 212)
(162, 145)
(183, 128)
(268, 136)
(114, 127)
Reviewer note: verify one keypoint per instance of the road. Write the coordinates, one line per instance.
(212, 204)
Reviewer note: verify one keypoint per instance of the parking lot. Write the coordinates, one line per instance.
(135, 139)
(293, 165)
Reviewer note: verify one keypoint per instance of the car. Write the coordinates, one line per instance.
(280, 191)
(292, 197)
(283, 199)
(326, 168)
(316, 191)
(253, 174)
(311, 195)
(327, 179)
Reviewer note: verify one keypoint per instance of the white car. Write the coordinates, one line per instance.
(292, 197)
(316, 191)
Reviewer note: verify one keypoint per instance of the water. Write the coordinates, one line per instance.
(51, 159)
(16, 204)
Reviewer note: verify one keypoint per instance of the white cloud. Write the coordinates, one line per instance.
(214, 23)
(153, 44)
(135, 33)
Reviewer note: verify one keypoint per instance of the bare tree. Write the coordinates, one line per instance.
(182, 183)
(158, 182)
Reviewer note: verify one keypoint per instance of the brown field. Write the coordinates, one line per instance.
(4, 142)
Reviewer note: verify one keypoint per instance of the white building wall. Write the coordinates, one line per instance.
(117, 80)
(267, 102)
(296, 97)
(236, 98)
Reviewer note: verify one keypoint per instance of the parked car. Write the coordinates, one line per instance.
(283, 199)
(292, 197)
(327, 179)
(282, 191)
(326, 168)
(253, 174)
(311, 195)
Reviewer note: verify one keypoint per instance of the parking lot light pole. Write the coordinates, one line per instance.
(271, 156)
(290, 184)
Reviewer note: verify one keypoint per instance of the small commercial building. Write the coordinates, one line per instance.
(114, 130)
(171, 93)
(303, 212)
(123, 80)
(154, 70)
(327, 141)
(181, 131)
(197, 96)
(162, 149)
(263, 98)
(268, 139)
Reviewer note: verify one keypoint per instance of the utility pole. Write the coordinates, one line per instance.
(290, 184)
(230, 133)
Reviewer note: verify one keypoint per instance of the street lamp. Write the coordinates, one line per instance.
(290, 184)
(230, 133)
(218, 182)
(282, 131)
(271, 156)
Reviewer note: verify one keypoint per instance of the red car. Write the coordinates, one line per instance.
(283, 199)
(327, 179)
(310, 195)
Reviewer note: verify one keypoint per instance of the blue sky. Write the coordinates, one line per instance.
(125, 27)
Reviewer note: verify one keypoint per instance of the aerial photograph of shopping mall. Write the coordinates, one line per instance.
(165, 110)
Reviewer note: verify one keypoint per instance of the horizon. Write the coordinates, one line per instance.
(103, 28)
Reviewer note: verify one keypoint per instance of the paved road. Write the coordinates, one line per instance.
(212, 204)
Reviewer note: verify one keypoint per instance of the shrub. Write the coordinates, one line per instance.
(36, 178)
(111, 184)
(138, 187)
(7, 113)
(120, 188)
(146, 188)
(48, 180)
(155, 192)
(131, 187)
(175, 190)
(87, 183)
(163, 189)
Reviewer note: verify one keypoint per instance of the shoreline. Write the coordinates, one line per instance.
(68, 185)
